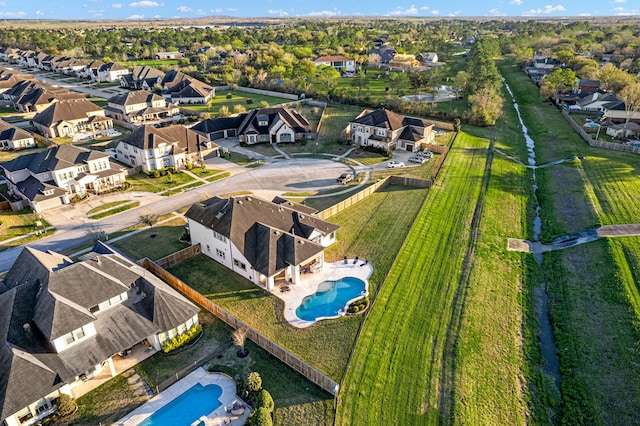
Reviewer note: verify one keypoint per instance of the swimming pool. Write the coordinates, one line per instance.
(330, 298)
(591, 124)
(196, 402)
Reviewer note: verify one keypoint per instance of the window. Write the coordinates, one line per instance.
(239, 264)
(381, 132)
(220, 254)
(77, 334)
(208, 249)
(219, 236)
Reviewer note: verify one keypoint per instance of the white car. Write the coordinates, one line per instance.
(425, 154)
(395, 164)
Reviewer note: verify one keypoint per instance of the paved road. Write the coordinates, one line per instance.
(296, 175)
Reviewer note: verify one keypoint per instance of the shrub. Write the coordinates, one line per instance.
(265, 400)
(254, 381)
(249, 101)
(261, 417)
(182, 339)
(229, 95)
(66, 405)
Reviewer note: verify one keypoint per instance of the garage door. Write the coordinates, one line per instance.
(285, 137)
(217, 135)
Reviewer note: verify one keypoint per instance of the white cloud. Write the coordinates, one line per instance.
(516, 2)
(325, 13)
(545, 11)
(12, 14)
(456, 13)
(403, 12)
(145, 3)
(218, 10)
(39, 13)
(584, 14)
(435, 12)
(620, 11)
(136, 17)
(619, 1)
(496, 12)
(117, 5)
(424, 8)
(184, 9)
(232, 9)
(277, 12)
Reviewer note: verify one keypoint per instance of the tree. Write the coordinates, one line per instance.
(374, 60)
(398, 81)
(613, 78)
(558, 80)
(264, 104)
(460, 83)
(224, 111)
(360, 81)
(486, 106)
(239, 109)
(261, 417)
(630, 95)
(149, 219)
(239, 338)
(328, 76)
(254, 381)
(65, 405)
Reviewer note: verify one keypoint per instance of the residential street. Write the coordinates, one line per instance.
(296, 175)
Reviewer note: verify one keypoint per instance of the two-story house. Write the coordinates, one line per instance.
(261, 240)
(45, 179)
(387, 130)
(68, 117)
(154, 148)
(64, 322)
(142, 78)
(111, 72)
(14, 138)
(140, 106)
(264, 125)
(179, 88)
(339, 62)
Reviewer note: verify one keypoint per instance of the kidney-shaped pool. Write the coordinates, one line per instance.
(331, 299)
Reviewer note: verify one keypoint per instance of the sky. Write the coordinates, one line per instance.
(148, 9)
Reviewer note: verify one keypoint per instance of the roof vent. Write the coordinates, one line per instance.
(239, 201)
(219, 214)
(26, 327)
(276, 233)
(248, 198)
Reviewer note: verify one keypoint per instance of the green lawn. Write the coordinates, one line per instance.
(7, 112)
(156, 242)
(15, 224)
(142, 182)
(101, 102)
(156, 63)
(395, 372)
(111, 209)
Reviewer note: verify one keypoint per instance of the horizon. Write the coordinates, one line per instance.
(143, 10)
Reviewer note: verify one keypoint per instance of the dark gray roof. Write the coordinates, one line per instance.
(269, 235)
(412, 134)
(56, 158)
(212, 125)
(35, 190)
(293, 119)
(48, 293)
(390, 120)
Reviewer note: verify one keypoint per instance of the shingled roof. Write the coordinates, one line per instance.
(149, 137)
(270, 236)
(45, 294)
(9, 132)
(74, 109)
(56, 158)
(273, 115)
(134, 97)
(390, 120)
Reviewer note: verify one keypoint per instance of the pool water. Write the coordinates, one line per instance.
(330, 298)
(196, 402)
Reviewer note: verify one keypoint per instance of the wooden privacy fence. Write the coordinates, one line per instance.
(599, 144)
(273, 348)
(179, 257)
(357, 197)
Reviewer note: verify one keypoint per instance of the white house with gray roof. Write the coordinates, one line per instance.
(140, 106)
(264, 241)
(68, 117)
(14, 138)
(64, 322)
(46, 179)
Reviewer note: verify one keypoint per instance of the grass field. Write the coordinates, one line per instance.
(156, 242)
(14, 224)
(109, 209)
(394, 375)
(593, 295)
(237, 98)
(142, 182)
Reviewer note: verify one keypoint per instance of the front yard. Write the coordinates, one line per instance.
(156, 242)
(143, 182)
(15, 224)
(237, 98)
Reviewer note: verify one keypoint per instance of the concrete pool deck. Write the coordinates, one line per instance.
(331, 271)
(218, 417)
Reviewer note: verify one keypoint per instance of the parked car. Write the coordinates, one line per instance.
(395, 164)
(419, 160)
(425, 154)
(345, 178)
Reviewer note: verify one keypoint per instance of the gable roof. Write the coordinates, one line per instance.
(383, 118)
(273, 115)
(211, 125)
(270, 236)
(334, 58)
(73, 109)
(145, 72)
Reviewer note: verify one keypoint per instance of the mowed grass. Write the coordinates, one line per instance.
(385, 215)
(395, 372)
(142, 182)
(237, 98)
(156, 242)
(15, 224)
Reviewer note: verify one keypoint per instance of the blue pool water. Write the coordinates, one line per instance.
(591, 124)
(634, 143)
(196, 402)
(330, 297)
